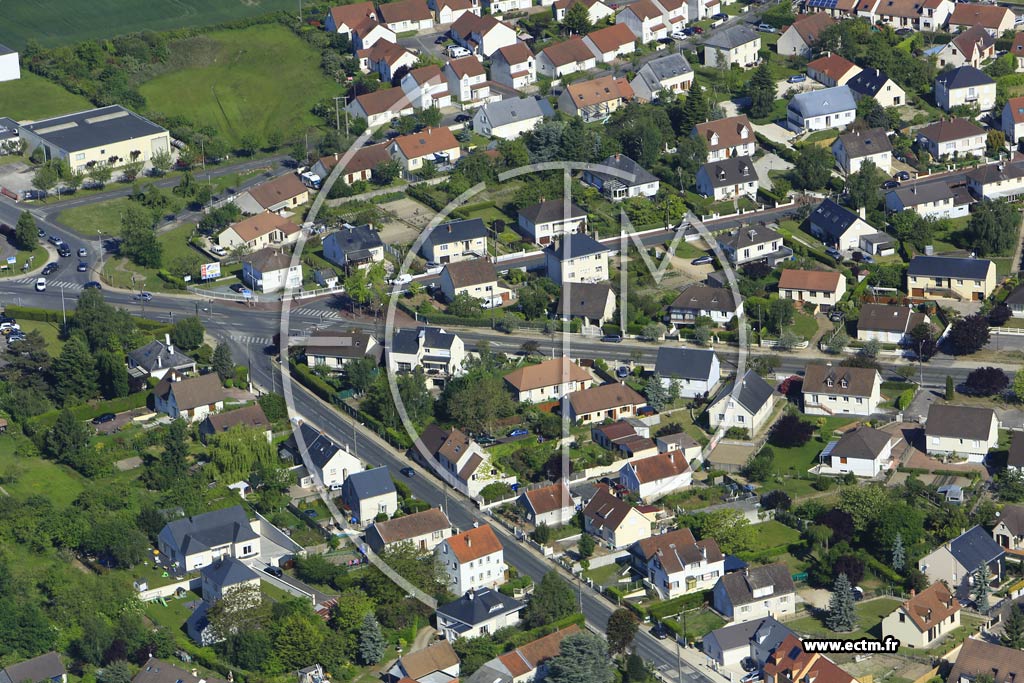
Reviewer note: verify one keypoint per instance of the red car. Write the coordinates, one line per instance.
(698, 30)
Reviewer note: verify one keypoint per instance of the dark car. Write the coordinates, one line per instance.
(237, 287)
(64, 251)
(310, 513)
(659, 631)
(50, 269)
(688, 31)
(904, 31)
(92, 284)
(104, 418)
(701, 260)
(748, 664)
(666, 41)
(698, 30)
(836, 315)
(902, 175)
(41, 233)
(34, 194)
(622, 372)
(462, 118)
(721, 16)
(83, 267)
(408, 472)
(274, 571)
(612, 338)
(440, 40)
(834, 253)
(890, 185)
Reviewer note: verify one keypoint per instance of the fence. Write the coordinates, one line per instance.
(224, 296)
(772, 343)
(170, 589)
(508, 257)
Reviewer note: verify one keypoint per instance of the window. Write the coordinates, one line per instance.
(903, 618)
(246, 549)
(80, 156)
(741, 418)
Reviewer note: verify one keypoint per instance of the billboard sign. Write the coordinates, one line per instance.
(209, 271)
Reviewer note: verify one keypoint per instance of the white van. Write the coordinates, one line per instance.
(217, 250)
(456, 51)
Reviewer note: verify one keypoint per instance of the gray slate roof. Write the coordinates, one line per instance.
(868, 82)
(407, 341)
(866, 142)
(863, 443)
(202, 532)
(822, 102)
(664, 68)
(749, 236)
(575, 246)
(621, 162)
(1016, 296)
(355, 241)
(731, 171)
(319, 446)
(456, 231)
(93, 128)
(959, 422)
(369, 483)
(155, 355)
(227, 572)
(4, 50)
(476, 607)
(975, 547)
(684, 363)
(702, 297)
(516, 109)
(963, 77)
(754, 392)
(768, 633)
(949, 266)
(42, 668)
(550, 210)
(732, 37)
(923, 193)
(740, 586)
(833, 219)
(585, 299)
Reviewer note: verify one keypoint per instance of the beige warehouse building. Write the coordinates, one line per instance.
(109, 135)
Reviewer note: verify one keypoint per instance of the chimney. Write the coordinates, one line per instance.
(862, 212)
(170, 349)
(167, 339)
(470, 594)
(913, 592)
(469, 542)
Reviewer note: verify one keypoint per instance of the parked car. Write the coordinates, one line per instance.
(55, 241)
(750, 677)
(310, 513)
(273, 571)
(41, 233)
(64, 251)
(622, 372)
(721, 16)
(890, 185)
(408, 472)
(104, 418)
(796, 78)
(34, 194)
(92, 284)
(836, 316)
(834, 253)
(688, 31)
(612, 338)
(659, 631)
(143, 296)
(902, 175)
(440, 40)
(748, 664)
(521, 431)
(666, 41)
(456, 51)
(698, 30)
(41, 284)
(701, 260)
(462, 118)
(51, 268)
(766, 28)
(904, 31)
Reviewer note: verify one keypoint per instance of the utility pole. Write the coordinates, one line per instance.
(63, 310)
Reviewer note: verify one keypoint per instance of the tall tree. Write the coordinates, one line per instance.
(841, 615)
(138, 236)
(621, 629)
(113, 374)
(970, 334)
(74, 372)
(26, 234)
(371, 641)
(761, 90)
(696, 109)
(67, 441)
(981, 587)
(899, 555)
(992, 229)
(656, 392)
(187, 333)
(813, 167)
(222, 361)
(1013, 629)
(863, 186)
(577, 20)
(582, 658)
(552, 599)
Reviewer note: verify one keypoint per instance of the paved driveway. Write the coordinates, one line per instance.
(16, 176)
(770, 162)
(424, 43)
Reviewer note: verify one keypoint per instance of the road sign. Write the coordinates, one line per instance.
(208, 271)
(11, 260)
(247, 293)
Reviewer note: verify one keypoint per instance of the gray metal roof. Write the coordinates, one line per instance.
(923, 193)
(318, 445)
(210, 529)
(93, 128)
(767, 632)
(585, 299)
(476, 607)
(832, 219)
(863, 443)
(513, 110)
(732, 37)
(731, 171)
(42, 668)
(407, 340)
(740, 586)
(664, 68)
(975, 547)
(823, 102)
(753, 393)
(864, 143)
(621, 162)
(963, 77)
(8, 128)
(456, 231)
(949, 266)
(369, 484)
(4, 50)
(575, 246)
(685, 363)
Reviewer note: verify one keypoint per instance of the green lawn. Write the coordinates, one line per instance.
(62, 22)
(771, 534)
(175, 243)
(31, 475)
(36, 258)
(802, 458)
(698, 624)
(33, 97)
(50, 332)
(252, 81)
(805, 326)
(87, 219)
(604, 576)
(869, 621)
(174, 615)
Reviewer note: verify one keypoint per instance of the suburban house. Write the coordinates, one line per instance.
(46, 668)
(596, 99)
(386, 58)
(525, 663)
(1009, 529)
(799, 38)
(483, 35)
(924, 618)
(965, 85)
(158, 671)
(406, 15)
(566, 57)
(981, 658)
(502, 6)
(738, 44)
(748, 409)
(822, 109)
(359, 166)
(191, 398)
(596, 10)
(823, 288)
(611, 42)
(380, 107)
(887, 323)
(356, 246)
(473, 559)
(1012, 122)
(197, 541)
(449, 11)
(478, 279)
(514, 66)
(108, 136)
(633, 439)
(460, 461)
(591, 303)
(436, 145)
(671, 73)
(992, 18)
(791, 663)
(271, 270)
(757, 639)
(934, 14)
(332, 463)
(576, 258)
(837, 226)
(645, 20)
(864, 451)
(729, 137)
(439, 353)
(344, 18)
(840, 390)
(551, 219)
(698, 300)
(755, 592)
(368, 494)
(510, 118)
(962, 431)
(969, 48)
(436, 663)
(752, 244)
(876, 85)
(656, 476)
(695, 372)
(997, 181)
(728, 179)
(477, 613)
(426, 87)
(455, 241)
(552, 505)
(157, 358)
(251, 416)
(969, 279)
(930, 200)
(368, 32)
(832, 70)
(674, 563)
(624, 179)
(280, 194)
(467, 81)
(549, 380)
(259, 231)
(605, 402)
(1016, 301)
(955, 562)
(614, 521)
(424, 530)
(851, 150)
(226, 573)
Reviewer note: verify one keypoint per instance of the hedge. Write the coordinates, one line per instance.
(307, 379)
(40, 314)
(90, 410)
(674, 606)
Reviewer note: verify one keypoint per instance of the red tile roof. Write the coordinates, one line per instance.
(474, 544)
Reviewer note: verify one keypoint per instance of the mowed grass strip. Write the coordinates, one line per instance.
(63, 22)
(32, 97)
(251, 81)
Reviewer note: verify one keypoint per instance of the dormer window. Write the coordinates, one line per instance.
(829, 382)
(844, 383)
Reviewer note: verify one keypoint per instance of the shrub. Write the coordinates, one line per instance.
(904, 399)
(986, 382)
(790, 432)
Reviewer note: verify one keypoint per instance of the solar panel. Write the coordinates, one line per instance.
(824, 4)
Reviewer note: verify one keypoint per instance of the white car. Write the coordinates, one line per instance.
(41, 284)
(456, 51)
(217, 250)
(403, 279)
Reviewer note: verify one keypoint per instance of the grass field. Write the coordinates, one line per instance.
(256, 80)
(772, 534)
(33, 97)
(50, 332)
(30, 475)
(869, 621)
(61, 22)
(87, 219)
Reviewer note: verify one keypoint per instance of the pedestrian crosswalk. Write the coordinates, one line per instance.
(50, 284)
(314, 312)
(247, 339)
